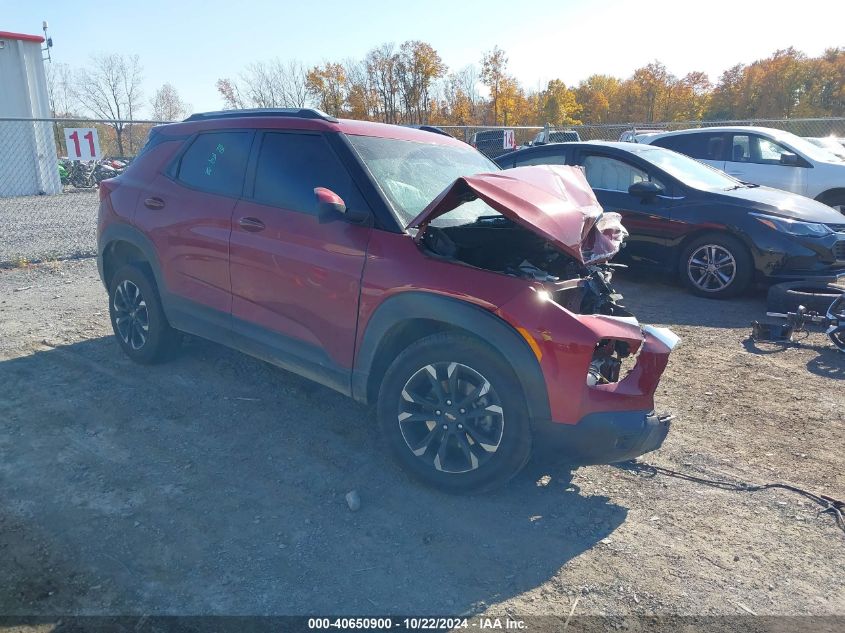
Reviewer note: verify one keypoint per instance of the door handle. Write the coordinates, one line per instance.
(154, 203)
(251, 224)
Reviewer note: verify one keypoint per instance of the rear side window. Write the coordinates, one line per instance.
(291, 166)
(699, 145)
(609, 174)
(216, 162)
(540, 158)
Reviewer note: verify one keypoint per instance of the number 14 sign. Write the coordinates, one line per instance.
(82, 143)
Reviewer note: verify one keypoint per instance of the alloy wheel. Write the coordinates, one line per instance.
(131, 317)
(711, 268)
(451, 417)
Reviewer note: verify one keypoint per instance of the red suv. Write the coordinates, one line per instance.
(397, 266)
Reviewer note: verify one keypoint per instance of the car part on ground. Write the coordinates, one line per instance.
(474, 309)
(814, 296)
(831, 320)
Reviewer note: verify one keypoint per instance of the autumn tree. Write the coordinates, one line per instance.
(417, 67)
(726, 100)
(824, 93)
(110, 89)
(691, 97)
(327, 85)
(361, 97)
(494, 65)
(558, 104)
(513, 103)
(596, 95)
(461, 96)
(168, 105)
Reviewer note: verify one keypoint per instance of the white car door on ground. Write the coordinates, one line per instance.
(757, 159)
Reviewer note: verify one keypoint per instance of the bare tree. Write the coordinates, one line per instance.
(270, 84)
(231, 94)
(111, 90)
(381, 67)
(60, 89)
(168, 105)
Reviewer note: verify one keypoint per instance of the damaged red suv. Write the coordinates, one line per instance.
(471, 306)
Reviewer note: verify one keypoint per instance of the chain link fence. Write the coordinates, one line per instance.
(48, 202)
(50, 170)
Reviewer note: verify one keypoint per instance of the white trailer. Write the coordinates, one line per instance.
(27, 148)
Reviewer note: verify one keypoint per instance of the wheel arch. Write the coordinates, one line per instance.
(402, 319)
(121, 244)
(830, 193)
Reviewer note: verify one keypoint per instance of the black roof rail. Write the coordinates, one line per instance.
(301, 113)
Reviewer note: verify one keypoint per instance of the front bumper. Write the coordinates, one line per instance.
(602, 438)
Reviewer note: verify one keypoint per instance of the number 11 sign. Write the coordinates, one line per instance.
(82, 143)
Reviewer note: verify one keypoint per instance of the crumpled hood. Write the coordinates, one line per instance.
(554, 201)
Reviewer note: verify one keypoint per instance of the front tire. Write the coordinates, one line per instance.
(137, 317)
(454, 415)
(716, 266)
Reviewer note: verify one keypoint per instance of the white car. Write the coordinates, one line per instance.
(763, 156)
(832, 144)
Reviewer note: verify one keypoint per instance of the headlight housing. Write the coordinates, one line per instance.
(793, 227)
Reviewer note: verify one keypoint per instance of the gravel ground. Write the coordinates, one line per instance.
(42, 228)
(215, 484)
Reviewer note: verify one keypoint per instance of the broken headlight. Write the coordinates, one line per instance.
(607, 361)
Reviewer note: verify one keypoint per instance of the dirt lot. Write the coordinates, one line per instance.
(215, 484)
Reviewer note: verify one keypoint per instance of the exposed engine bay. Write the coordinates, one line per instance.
(498, 244)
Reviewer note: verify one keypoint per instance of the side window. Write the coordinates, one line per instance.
(291, 166)
(769, 152)
(216, 162)
(610, 174)
(699, 145)
(541, 158)
(741, 149)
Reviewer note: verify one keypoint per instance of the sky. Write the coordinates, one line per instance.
(191, 44)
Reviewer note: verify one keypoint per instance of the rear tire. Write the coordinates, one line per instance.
(137, 317)
(716, 266)
(454, 415)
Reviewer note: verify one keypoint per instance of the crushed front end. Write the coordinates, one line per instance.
(601, 367)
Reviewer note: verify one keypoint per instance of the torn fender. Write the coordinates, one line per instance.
(554, 201)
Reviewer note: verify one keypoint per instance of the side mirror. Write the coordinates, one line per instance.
(645, 189)
(331, 206)
(790, 159)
